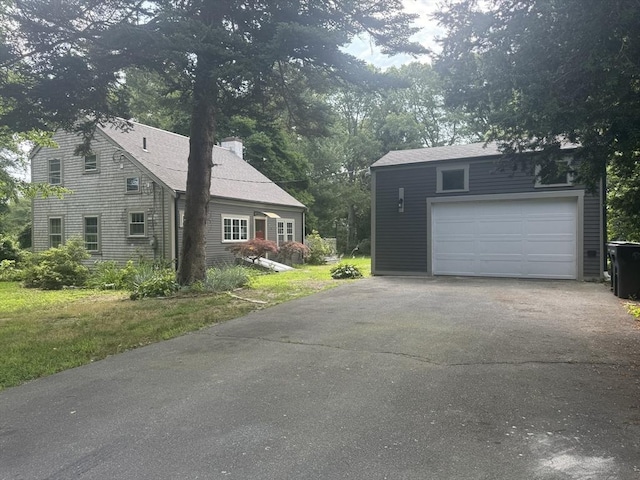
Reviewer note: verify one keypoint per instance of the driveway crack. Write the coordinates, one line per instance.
(424, 359)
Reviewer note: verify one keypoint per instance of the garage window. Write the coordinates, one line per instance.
(452, 179)
(554, 174)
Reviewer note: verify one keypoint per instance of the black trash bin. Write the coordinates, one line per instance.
(625, 269)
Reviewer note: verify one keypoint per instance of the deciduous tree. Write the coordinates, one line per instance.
(545, 71)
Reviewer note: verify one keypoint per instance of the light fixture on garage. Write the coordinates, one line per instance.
(400, 200)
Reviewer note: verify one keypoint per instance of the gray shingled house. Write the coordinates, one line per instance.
(451, 211)
(128, 197)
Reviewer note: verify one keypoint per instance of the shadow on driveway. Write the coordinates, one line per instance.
(398, 378)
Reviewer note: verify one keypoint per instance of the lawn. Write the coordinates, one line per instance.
(44, 332)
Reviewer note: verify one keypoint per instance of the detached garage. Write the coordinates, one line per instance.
(452, 211)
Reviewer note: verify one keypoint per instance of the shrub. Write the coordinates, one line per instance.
(225, 279)
(110, 275)
(289, 250)
(58, 267)
(319, 248)
(253, 249)
(345, 270)
(9, 272)
(161, 283)
(9, 250)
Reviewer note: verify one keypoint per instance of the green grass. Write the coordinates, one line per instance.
(44, 332)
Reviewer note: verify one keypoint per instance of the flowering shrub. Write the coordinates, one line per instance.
(345, 270)
(253, 249)
(289, 250)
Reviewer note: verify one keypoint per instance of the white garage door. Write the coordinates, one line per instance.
(520, 238)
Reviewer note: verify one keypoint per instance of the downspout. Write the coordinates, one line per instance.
(176, 231)
(164, 228)
(603, 196)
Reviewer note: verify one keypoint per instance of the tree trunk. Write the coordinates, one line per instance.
(192, 264)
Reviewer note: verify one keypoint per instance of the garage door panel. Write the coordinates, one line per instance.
(516, 238)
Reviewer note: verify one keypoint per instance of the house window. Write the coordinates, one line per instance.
(133, 184)
(285, 230)
(91, 234)
(91, 163)
(181, 218)
(137, 224)
(55, 232)
(452, 179)
(554, 174)
(235, 229)
(55, 171)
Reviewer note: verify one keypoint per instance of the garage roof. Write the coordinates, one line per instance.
(449, 152)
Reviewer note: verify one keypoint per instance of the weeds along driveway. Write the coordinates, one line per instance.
(399, 378)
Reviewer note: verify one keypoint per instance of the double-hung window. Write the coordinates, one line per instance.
(55, 171)
(286, 230)
(91, 233)
(91, 163)
(55, 232)
(235, 229)
(137, 224)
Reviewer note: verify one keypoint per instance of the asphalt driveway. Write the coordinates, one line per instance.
(385, 378)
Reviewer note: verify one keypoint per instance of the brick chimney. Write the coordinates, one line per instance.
(234, 144)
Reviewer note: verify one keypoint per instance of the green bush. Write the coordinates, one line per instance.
(161, 283)
(9, 249)
(319, 248)
(226, 278)
(110, 275)
(58, 267)
(345, 270)
(9, 272)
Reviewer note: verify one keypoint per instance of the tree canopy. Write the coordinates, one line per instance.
(540, 72)
(62, 65)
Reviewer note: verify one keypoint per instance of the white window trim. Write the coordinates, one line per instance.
(49, 171)
(568, 183)
(244, 218)
(180, 218)
(132, 192)
(98, 232)
(448, 168)
(84, 163)
(285, 221)
(129, 223)
(49, 234)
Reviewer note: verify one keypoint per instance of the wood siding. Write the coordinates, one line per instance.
(102, 193)
(217, 253)
(400, 239)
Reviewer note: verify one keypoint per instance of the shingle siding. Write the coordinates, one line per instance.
(400, 239)
(216, 249)
(102, 193)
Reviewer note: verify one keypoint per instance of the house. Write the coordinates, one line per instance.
(451, 211)
(129, 194)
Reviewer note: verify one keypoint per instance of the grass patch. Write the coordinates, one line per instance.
(44, 332)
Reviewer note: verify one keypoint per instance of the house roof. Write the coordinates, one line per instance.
(166, 157)
(446, 153)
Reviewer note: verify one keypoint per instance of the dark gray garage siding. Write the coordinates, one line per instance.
(401, 238)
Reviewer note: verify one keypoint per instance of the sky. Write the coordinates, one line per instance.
(429, 29)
